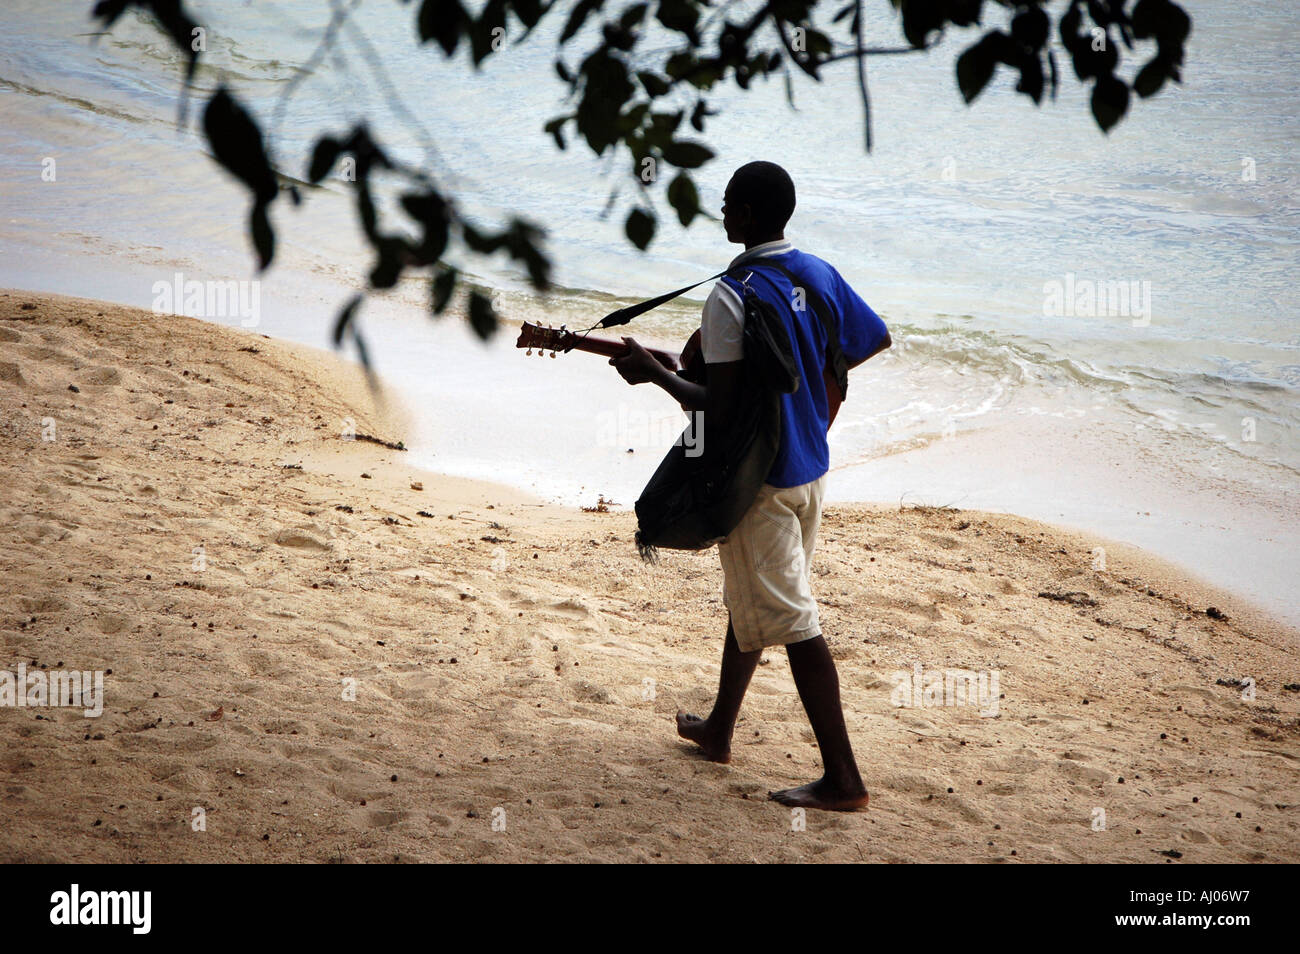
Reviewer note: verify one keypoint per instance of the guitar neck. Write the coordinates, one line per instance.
(609, 349)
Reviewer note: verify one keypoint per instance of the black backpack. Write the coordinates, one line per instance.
(693, 502)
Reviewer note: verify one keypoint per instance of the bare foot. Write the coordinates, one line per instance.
(821, 794)
(696, 730)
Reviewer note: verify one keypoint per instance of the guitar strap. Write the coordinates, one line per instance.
(624, 315)
(834, 352)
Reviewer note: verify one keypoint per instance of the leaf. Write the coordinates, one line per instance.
(920, 19)
(687, 155)
(680, 16)
(483, 35)
(702, 111)
(482, 316)
(323, 158)
(633, 15)
(683, 196)
(1151, 77)
(480, 242)
(964, 12)
(1031, 78)
(522, 242)
(259, 227)
(443, 21)
(444, 283)
(606, 88)
(974, 70)
(578, 17)
(662, 128)
(363, 354)
(640, 227)
(654, 84)
(1109, 102)
(236, 142)
(556, 128)
(430, 209)
(170, 15)
(110, 10)
(366, 210)
(344, 320)
(1030, 28)
(528, 12)
(392, 254)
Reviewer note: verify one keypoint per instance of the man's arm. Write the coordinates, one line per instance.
(885, 343)
(716, 398)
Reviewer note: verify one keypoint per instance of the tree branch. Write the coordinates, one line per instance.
(875, 51)
(862, 74)
(327, 39)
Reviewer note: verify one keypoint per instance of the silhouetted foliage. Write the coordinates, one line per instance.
(631, 92)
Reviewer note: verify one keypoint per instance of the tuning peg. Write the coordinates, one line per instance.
(552, 354)
(529, 351)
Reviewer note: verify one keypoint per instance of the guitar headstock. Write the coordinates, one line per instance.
(544, 339)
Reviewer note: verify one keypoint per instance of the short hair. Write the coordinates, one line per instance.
(769, 192)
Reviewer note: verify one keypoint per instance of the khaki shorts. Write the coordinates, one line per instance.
(766, 567)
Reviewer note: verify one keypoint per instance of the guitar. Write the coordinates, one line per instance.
(689, 364)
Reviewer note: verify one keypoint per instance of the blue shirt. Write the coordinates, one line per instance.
(804, 454)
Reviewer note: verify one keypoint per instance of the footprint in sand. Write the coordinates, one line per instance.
(101, 376)
(382, 819)
(302, 539)
(41, 604)
(1082, 774)
(165, 376)
(52, 355)
(571, 608)
(111, 623)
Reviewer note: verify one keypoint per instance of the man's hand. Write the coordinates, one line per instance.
(637, 365)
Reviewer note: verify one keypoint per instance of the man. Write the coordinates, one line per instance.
(765, 559)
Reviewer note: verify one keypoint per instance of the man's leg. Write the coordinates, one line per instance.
(713, 734)
(840, 788)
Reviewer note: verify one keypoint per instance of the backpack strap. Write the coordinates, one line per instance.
(839, 365)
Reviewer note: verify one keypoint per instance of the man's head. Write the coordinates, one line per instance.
(758, 202)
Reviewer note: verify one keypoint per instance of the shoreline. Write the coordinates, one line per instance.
(653, 417)
(1220, 532)
(514, 661)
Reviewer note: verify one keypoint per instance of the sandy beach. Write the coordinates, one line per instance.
(183, 512)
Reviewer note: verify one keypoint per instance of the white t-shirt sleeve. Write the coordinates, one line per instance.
(722, 326)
